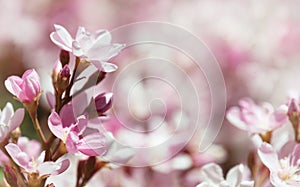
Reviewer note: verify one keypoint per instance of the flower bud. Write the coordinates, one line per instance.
(293, 108)
(26, 88)
(64, 57)
(103, 102)
(63, 78)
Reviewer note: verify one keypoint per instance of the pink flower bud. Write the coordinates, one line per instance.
(103, 102)
(65, 72)
(26, 88)
(293, 108)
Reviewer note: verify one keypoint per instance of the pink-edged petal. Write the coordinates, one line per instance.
(31, 147)
(269, 157)
(13, 85)
(62, 38)
(81, 125)
(17, 119)
(92, 144)
(19, 157)
(7, 113)
(235, 175)
(55, 125)
(212, 173)
(234, 117)
(71, 142)
(53, 168)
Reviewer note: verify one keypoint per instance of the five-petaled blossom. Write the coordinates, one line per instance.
(76, 133)
(95, 48)
(9, 120)
(212, 176)
(256, 119)
(284, 172)
(36, 165)
(26, 88)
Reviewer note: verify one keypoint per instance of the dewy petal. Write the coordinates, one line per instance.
(7, 113)
(212, 173)
(62, 38)
(235, 175)
(17, 155)
(269, 157)
(55, 125)
(77, 50)
(17, 119)
(84, 39)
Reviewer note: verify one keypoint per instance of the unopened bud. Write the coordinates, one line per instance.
(63, 78)
(293, 108)
(64, 57)
(103, 102)
(50, 185)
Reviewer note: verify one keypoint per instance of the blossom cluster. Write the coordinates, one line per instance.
(71, 133)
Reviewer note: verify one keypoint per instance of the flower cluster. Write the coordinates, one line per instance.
(275, 160)
(71, 132)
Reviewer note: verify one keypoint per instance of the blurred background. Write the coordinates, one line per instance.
(256, 44)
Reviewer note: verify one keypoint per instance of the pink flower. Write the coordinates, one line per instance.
(95, 48)
(31, 147)
(212, 175)
(284, 172)
(36, 165)
(9, 120)
(254, 118)
(27, 88)
(76, 133)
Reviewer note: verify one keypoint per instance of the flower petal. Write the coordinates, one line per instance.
(62, 38)
(55, 125)
(17, 119)
(269, 157)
